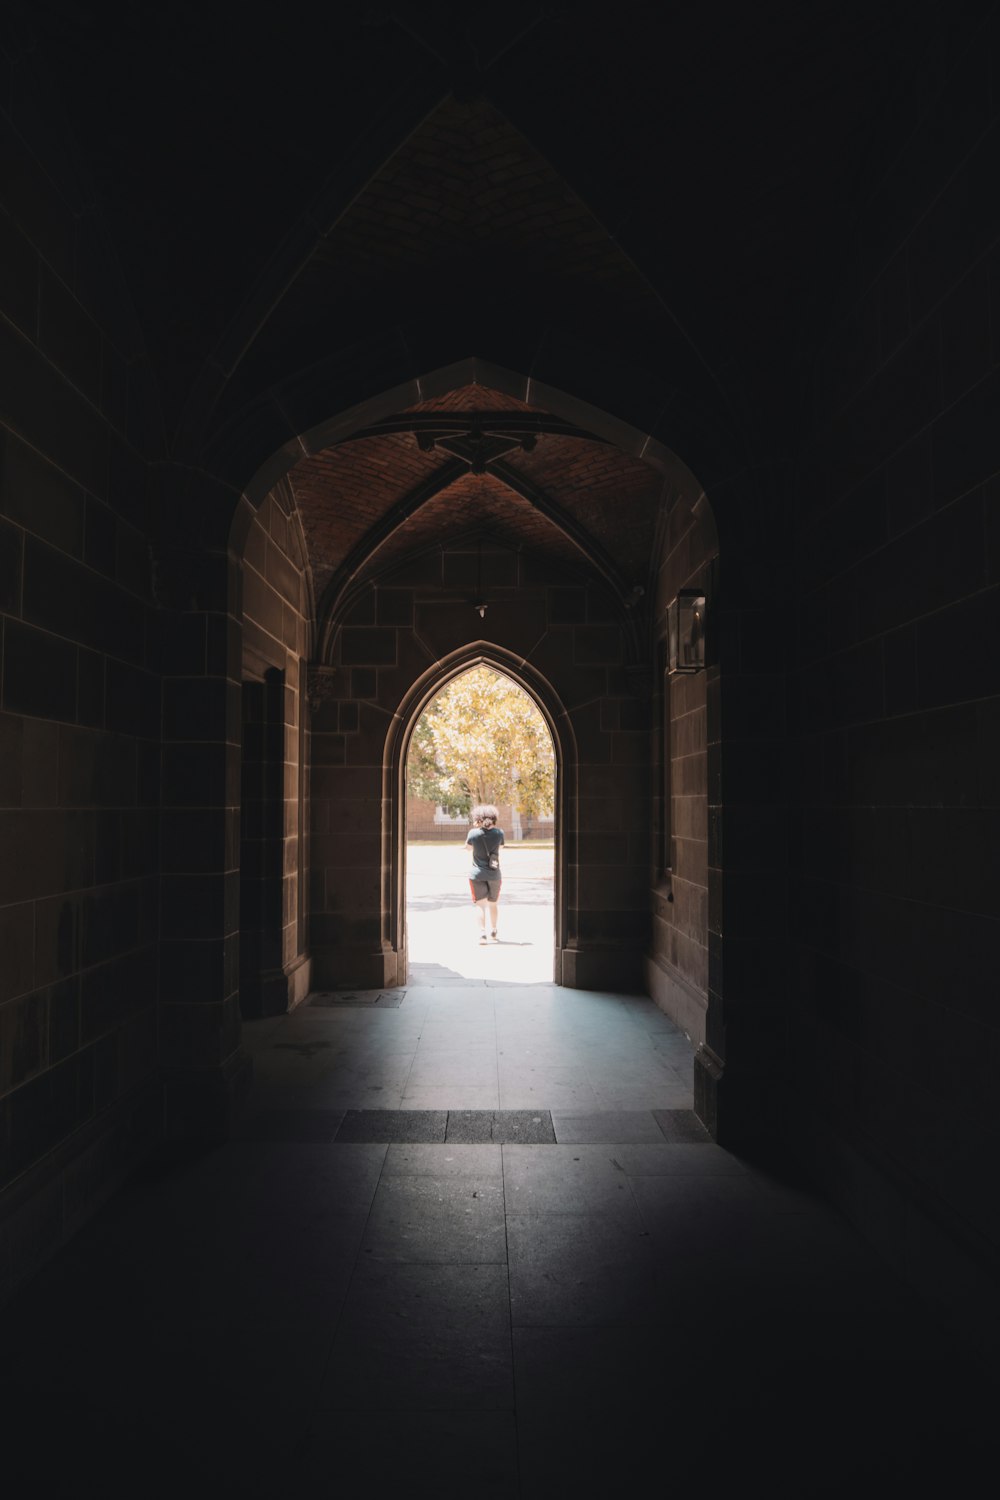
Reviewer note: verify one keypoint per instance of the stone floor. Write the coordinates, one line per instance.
(619, 1311)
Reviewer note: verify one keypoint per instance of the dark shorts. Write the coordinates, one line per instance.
(487, 889)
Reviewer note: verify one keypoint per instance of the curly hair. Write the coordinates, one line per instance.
(484, 816)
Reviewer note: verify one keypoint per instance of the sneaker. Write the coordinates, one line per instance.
(482, 937)
(493, 936)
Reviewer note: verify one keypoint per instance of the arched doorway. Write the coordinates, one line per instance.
(589, 529)
(516, 746)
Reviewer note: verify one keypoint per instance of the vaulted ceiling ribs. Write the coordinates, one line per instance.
(421, 476)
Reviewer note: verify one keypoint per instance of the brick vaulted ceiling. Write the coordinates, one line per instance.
(496, 190)
(276, 192)
(368, 501)
(466, 202)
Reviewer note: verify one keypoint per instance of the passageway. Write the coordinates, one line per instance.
(472, 1242)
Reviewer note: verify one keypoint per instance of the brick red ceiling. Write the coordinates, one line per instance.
(344, 494)
(473, 502)
(472, 398)
(468, 176)
(614, 497)
(466, 190)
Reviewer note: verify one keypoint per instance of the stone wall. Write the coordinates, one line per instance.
(896, 712)
(80, 706)
(274, 970)
(546, 625)
(677, 971)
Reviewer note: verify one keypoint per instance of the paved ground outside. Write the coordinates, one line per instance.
(442, 932)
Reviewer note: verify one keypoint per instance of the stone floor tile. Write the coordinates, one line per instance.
(611, 1460)
(451, 1219)
(355, 999)
(451, 1096)
(539, 1083)
(465, 1455)
(364, 1125)
(443, 1161)
(579, 1269)
(256, 1033)
(457, 1036)
(476, 1068)
(650, 1098)
(483, 1077)
(726, 1198)
(299, 1179)
(213, 1289)
(681, 1127)
(643, 1160)
(584, 1373)
(291, 1125)
(553, 1097)
(550, 1054)
(508, 1126)
(422, 1338)
(565, 1180)
(624, 1127)
(341, 1096)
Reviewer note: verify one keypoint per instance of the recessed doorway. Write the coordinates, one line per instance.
(481, 740)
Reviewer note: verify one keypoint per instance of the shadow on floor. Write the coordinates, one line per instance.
(610, 1314)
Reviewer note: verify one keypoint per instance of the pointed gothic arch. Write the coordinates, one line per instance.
(422, 692)
(394, 636)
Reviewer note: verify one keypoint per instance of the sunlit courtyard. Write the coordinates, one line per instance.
(442, 935)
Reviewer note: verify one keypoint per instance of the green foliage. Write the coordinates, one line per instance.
(482, 740)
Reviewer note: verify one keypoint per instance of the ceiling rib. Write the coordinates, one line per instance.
(462, 423)
(378, 535)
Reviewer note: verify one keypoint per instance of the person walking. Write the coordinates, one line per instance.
(485, 840)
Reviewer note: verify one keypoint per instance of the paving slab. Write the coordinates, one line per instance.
(466, 1096)
(669, 1157)
(443, 1161)
(573, 1269)
(607, 1127)
(384, 999)
(501, 1126)
(392, 1125)
(421, 1338)
(682, 1127)
(292, 1125)
(452, 1219)
(563, 1180)
(444, 1454)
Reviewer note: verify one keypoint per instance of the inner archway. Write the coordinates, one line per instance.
(475, 489)
(481, 740)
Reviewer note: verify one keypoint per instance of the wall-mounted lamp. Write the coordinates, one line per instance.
(686, 631)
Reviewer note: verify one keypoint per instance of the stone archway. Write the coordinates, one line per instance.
(560, 728)
(394, 614)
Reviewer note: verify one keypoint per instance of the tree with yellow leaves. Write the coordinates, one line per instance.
(482, 739)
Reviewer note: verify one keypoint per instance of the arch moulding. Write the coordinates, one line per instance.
(377, 927)
(424, 689)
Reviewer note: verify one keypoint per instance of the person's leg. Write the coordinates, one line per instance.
(492, 905)
(479, 890)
